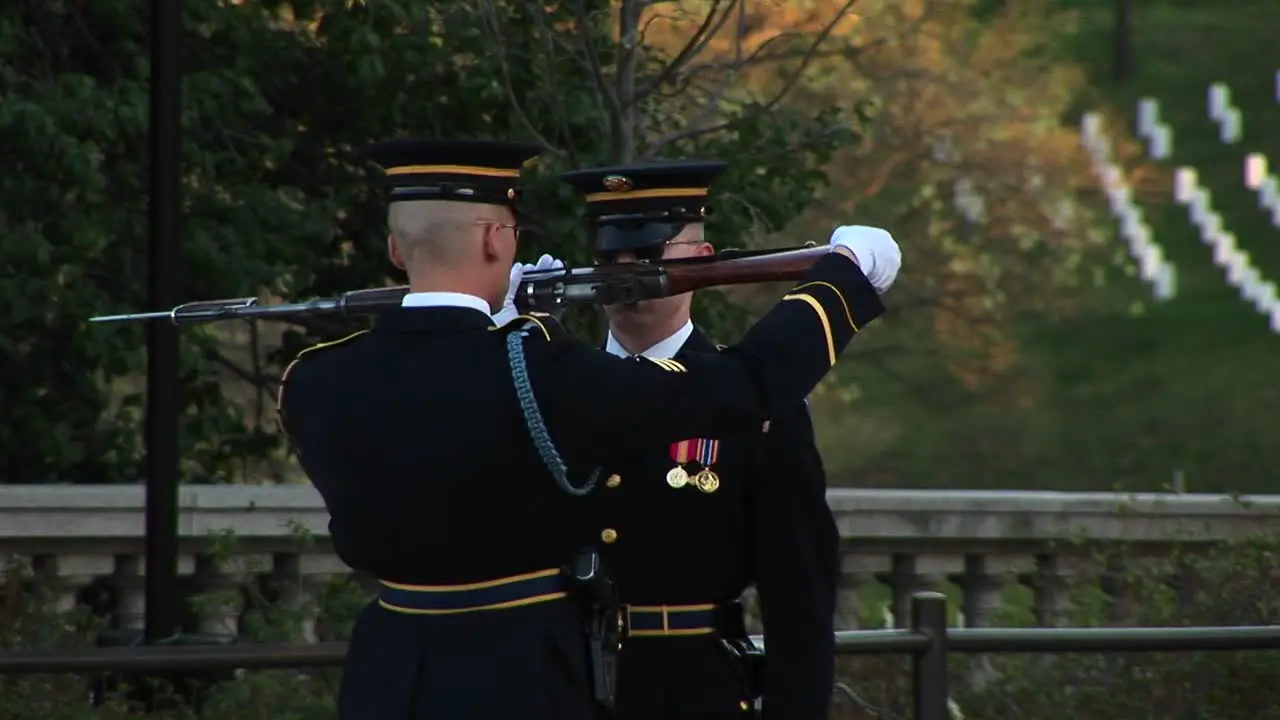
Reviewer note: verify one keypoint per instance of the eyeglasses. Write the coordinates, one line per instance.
(518, 228)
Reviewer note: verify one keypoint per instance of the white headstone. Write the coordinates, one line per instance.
(1227, 240)
(1248, 285)
(1130, 220)
(1268, 294)
(1231, 129)
(1255, 170)
(1210, 225)
(1161, 142)
(1248, 291)
(1221, 252)
(1202, 199)
(1119, 198)
(1236, 266)
(1219, 100)
(1148, 116)
(1166, 284)
(1269, 193)
(1184, 185)
(1198, 211)
(1091, 125)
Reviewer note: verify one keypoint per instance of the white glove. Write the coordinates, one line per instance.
(877, 252)
(509, 311)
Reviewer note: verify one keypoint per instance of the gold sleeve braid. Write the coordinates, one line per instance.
(813, 302)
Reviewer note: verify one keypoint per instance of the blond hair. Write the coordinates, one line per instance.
(435, 231)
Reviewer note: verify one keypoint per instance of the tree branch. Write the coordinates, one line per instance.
(625, 81)
(490, 12)
(711, 25)
(596, 70)
(552, 40)
(694, 131)
(257, 380)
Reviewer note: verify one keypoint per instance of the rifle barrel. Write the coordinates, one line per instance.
(544, 289)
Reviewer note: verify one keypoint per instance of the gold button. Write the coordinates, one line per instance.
(613, 481)
(609, 535)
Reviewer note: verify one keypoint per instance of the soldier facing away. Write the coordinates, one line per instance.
(439, 440)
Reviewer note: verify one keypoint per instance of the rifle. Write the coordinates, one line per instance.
(544, 291)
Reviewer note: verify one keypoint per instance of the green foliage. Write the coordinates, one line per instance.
(278, 98)
(1232, 584)
(29, 620)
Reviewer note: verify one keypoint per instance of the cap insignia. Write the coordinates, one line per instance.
(617, 183)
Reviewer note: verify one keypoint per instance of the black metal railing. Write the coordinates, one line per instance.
(928, 641)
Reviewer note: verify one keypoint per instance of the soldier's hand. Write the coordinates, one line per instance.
(509, 311)
(876, 251)
(546, 262)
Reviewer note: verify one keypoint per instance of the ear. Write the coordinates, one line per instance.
(490, 243)
(704, 249)
(393, 252)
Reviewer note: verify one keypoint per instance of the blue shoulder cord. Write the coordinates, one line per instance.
(533, 418)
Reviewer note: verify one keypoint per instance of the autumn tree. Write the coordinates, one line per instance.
(278, 99)
(662, 87)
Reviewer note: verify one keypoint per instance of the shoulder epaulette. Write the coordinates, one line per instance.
(284, 377)
(535, 324)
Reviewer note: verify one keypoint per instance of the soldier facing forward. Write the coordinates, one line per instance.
(705, 517)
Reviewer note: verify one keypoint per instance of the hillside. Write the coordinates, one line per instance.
(1131, 391)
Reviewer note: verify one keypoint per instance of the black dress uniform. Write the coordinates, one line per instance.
(690, 544)
(417, 436)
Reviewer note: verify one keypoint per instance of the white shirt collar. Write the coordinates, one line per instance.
(665, 349)
(445, 299)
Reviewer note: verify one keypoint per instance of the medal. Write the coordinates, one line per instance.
(707, 481)
(681, 452)
(708, 451)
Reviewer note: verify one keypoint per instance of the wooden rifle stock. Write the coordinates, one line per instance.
(743, 269)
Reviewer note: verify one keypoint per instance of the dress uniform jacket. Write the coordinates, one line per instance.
(414, 435)
(681, 549)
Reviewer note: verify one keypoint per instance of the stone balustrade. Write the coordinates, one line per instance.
(89, 539)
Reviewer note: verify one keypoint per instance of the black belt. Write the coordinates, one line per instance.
(680, 620)
(499, 594)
